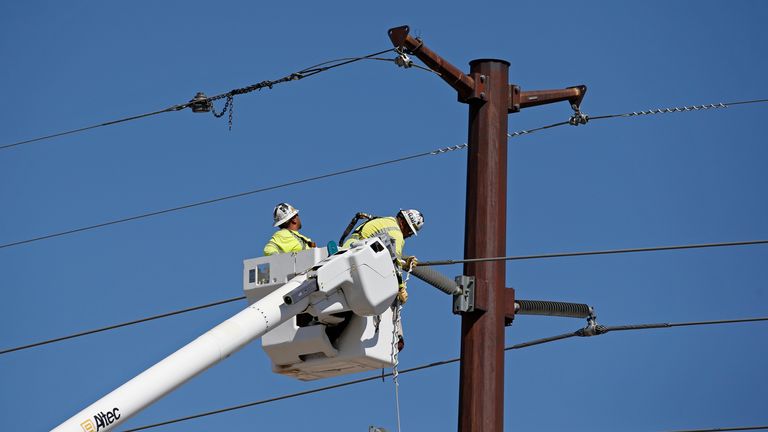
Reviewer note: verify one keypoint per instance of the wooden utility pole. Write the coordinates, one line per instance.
(490, 98)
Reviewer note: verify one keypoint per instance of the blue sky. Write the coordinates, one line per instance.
(671, 179)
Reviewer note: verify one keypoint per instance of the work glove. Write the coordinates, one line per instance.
(402, 295)
(312, 244)
(410, 262)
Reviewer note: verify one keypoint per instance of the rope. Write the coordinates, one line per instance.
(396, 358)
(397, 324)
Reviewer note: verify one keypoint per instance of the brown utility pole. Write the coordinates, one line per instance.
(490, 98)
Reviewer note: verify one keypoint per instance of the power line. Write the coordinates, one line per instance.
(233, 196)
(530, 131)
(680, 324)
(579, 119)
(304, 73)
(312, 70)
(125, 324)
(424, 263)
(435, 364)
(587, 253)
(679, 109)
(82, 129)
(738, 428)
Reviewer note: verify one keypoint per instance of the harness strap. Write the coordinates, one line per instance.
(304, 241)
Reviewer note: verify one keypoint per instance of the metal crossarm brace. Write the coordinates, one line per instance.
(519, 99)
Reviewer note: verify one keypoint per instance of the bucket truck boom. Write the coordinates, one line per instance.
(361, 280)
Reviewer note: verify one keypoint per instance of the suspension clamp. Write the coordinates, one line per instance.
(592, 328)
(402, 59)
(464, 301)
(578, 118)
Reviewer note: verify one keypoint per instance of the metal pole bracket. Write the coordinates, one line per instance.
(465, 300)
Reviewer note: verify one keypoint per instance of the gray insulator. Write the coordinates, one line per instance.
(436, 279)
(553, 308)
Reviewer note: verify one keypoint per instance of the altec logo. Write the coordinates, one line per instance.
(101, 420)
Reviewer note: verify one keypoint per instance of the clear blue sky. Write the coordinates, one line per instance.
(672, 179)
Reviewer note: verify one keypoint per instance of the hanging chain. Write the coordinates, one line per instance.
(229, 105)
(231, 101)
(226, 107)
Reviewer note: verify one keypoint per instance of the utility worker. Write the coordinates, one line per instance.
(287, 238)
(392, 231)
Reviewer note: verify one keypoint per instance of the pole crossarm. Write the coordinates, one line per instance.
(519, 99)
(452, 75)
(472, 86)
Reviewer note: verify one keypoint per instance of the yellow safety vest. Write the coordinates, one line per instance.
(285, 241)
(386, 226)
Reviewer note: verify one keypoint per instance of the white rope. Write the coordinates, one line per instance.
(395, 360)
(396, 323)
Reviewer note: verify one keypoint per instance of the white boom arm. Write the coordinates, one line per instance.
(361, 280)
(181, 366)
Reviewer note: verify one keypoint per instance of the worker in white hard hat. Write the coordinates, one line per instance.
(392, 231)
(287, 238)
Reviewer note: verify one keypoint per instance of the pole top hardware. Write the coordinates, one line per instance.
(452, 75)
(403, 60)
(472, 87)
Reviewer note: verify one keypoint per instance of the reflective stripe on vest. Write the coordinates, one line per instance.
(383, 235)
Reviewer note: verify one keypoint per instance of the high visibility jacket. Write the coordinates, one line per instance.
(285, 240)
(380, 227)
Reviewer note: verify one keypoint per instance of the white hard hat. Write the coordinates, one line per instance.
(414, 219)
(283, 213)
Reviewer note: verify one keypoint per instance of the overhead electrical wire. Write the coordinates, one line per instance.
(678, 109)
(125, 324)
(337, 63)
(440, 363)
(304, 73)
(312, 70)
(579, 118)
(83, 129)
(600, 252)
(423, 263)
(233, 196)
(723, 429)
(392, 161)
